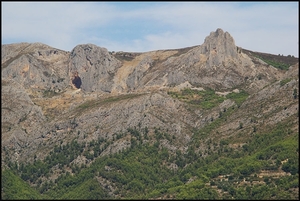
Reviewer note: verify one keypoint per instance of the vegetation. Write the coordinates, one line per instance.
(14, 188)
(278, 61)
(207, 99)
(143, 170)
(203, 99)
(279, 65)
(239, 98)
(148, 170)
(283, 82)
(203, 145)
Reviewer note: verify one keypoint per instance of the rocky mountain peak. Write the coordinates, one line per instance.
(218, 46)
(94, 65)
(218, 63)
(189, 102)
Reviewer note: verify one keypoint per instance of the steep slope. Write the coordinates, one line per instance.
(64, 111)
(95, 66)
(37, 67)
(217, 64)
(10, 182)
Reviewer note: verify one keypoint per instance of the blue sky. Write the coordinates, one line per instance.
(270, 27)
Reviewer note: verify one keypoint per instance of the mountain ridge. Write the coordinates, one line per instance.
(190, 98)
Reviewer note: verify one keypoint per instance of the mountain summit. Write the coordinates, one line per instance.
(218, 47)
(217, 63)
(191, 118)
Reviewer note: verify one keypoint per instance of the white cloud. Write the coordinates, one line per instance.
(56, 24)
(266, 27)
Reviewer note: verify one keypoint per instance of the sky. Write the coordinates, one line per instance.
(129, 26)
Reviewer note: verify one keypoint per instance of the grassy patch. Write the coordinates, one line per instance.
(283, 82)
(239, 98)
(203, 99)
(276, 64)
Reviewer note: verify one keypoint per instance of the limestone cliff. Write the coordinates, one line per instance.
(51, 97)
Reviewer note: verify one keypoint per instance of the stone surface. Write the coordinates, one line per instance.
(42, 106)
(95, 66)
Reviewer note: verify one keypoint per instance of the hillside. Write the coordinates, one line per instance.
(213, 121)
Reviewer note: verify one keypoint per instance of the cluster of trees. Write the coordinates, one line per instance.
(144, 171)
(14, 188)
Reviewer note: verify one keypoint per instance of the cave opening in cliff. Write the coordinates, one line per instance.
(76, 81)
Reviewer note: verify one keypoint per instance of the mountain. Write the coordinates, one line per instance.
(209, 121)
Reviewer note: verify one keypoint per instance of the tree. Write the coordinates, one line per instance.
(254, 129)
(241, 125)
(295, 94)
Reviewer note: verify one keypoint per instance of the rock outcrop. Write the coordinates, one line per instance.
(218, 63)
(36, 66)
(51, 96)
(219, 47)
(20, 117)
(95, 66)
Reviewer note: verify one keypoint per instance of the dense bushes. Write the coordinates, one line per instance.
(142, 170)
(14, 188)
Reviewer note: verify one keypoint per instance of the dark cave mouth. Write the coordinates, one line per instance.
(77, 82)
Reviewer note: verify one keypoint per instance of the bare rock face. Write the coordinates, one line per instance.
(100, 94)
(94, 65)
(219, 46)
(223, 65)
(19, 115)
(35, 66)
(218, 63)
(134, 78)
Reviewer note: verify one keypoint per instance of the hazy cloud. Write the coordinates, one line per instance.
(144, 26)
